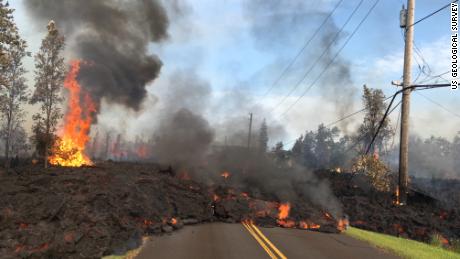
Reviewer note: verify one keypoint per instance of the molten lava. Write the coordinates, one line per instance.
(283, 213)
(225, 175)
(283, 210)
(70, 149)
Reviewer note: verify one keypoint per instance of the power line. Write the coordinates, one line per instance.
(439, 105)
(302, 49)
(351, 115)
(333, 59)
(433, 13)
(336, 37)
(412, 87)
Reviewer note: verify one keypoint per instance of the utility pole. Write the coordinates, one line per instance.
(405, 109)
(250, 129)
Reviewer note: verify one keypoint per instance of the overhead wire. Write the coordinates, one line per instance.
(326, 50)
(432, 13)
(333, 59)
(305, 45)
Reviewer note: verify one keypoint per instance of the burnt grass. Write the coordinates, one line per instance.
(90, 212)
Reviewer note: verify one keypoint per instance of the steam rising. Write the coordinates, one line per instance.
(113, 38)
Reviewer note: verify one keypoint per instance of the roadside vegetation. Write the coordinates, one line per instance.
(405, 248)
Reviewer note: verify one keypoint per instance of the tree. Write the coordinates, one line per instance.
(309, 143)
(263, 137)
(324, 145)
(297, 148)
(50, 72)
(375, 109)
(13, 92)
(8, 37)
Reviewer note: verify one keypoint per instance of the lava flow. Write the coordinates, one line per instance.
(69, 150)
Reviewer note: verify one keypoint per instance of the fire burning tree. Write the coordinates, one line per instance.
(69, 150)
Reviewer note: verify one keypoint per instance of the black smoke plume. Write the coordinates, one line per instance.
(113, 38)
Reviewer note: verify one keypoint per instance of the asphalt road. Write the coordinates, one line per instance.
(220, 240)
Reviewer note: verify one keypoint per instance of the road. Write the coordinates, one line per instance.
(220, 240)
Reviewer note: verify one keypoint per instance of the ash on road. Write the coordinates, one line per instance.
(220, 240)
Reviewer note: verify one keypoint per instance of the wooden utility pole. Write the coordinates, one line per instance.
(249, 132)
(405, 109)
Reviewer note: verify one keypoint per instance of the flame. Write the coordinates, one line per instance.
(142, 151)
(283, 210)
(327, 215)
(173, 221)
(303, 225)
(396, 201)
(314, 226)
(70, 149)
(444, 240)
(342, 225)
(147, 222)
(225, 174)
(286, 223)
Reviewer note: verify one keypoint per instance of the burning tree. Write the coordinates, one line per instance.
(49, 75)
(69, 150)
(12, 88)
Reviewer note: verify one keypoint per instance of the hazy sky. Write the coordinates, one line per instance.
(216, 39)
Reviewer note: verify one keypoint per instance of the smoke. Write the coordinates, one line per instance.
(113, 38)
(276, 26)
(184, 139)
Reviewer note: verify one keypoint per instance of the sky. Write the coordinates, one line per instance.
(229, 44)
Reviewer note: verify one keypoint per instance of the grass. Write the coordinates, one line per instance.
(404, 248)
(130, 254)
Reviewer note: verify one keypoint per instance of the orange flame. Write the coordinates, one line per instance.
(225, 175)
(142, 151)
(303, 225)
(70, 150)
(342, 225)
(283, 210)
(173, 221)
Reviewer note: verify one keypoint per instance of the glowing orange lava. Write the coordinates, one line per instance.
(70, 149)
(225, 175)
(283, 210)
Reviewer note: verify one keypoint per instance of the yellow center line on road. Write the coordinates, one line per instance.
(263, 240)
(261, 243)
(281, 255)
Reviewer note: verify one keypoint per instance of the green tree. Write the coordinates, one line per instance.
(324, 145)
(375, 109)
(297, 149)
(8, 37)
(50, 72)
(13, 91)
(308, 147)
(263, 137)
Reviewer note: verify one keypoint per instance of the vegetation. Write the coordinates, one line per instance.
(49, 77)
(13, 92)
(373, 100)
(263, 137)
(405, 248)
(376, 170)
